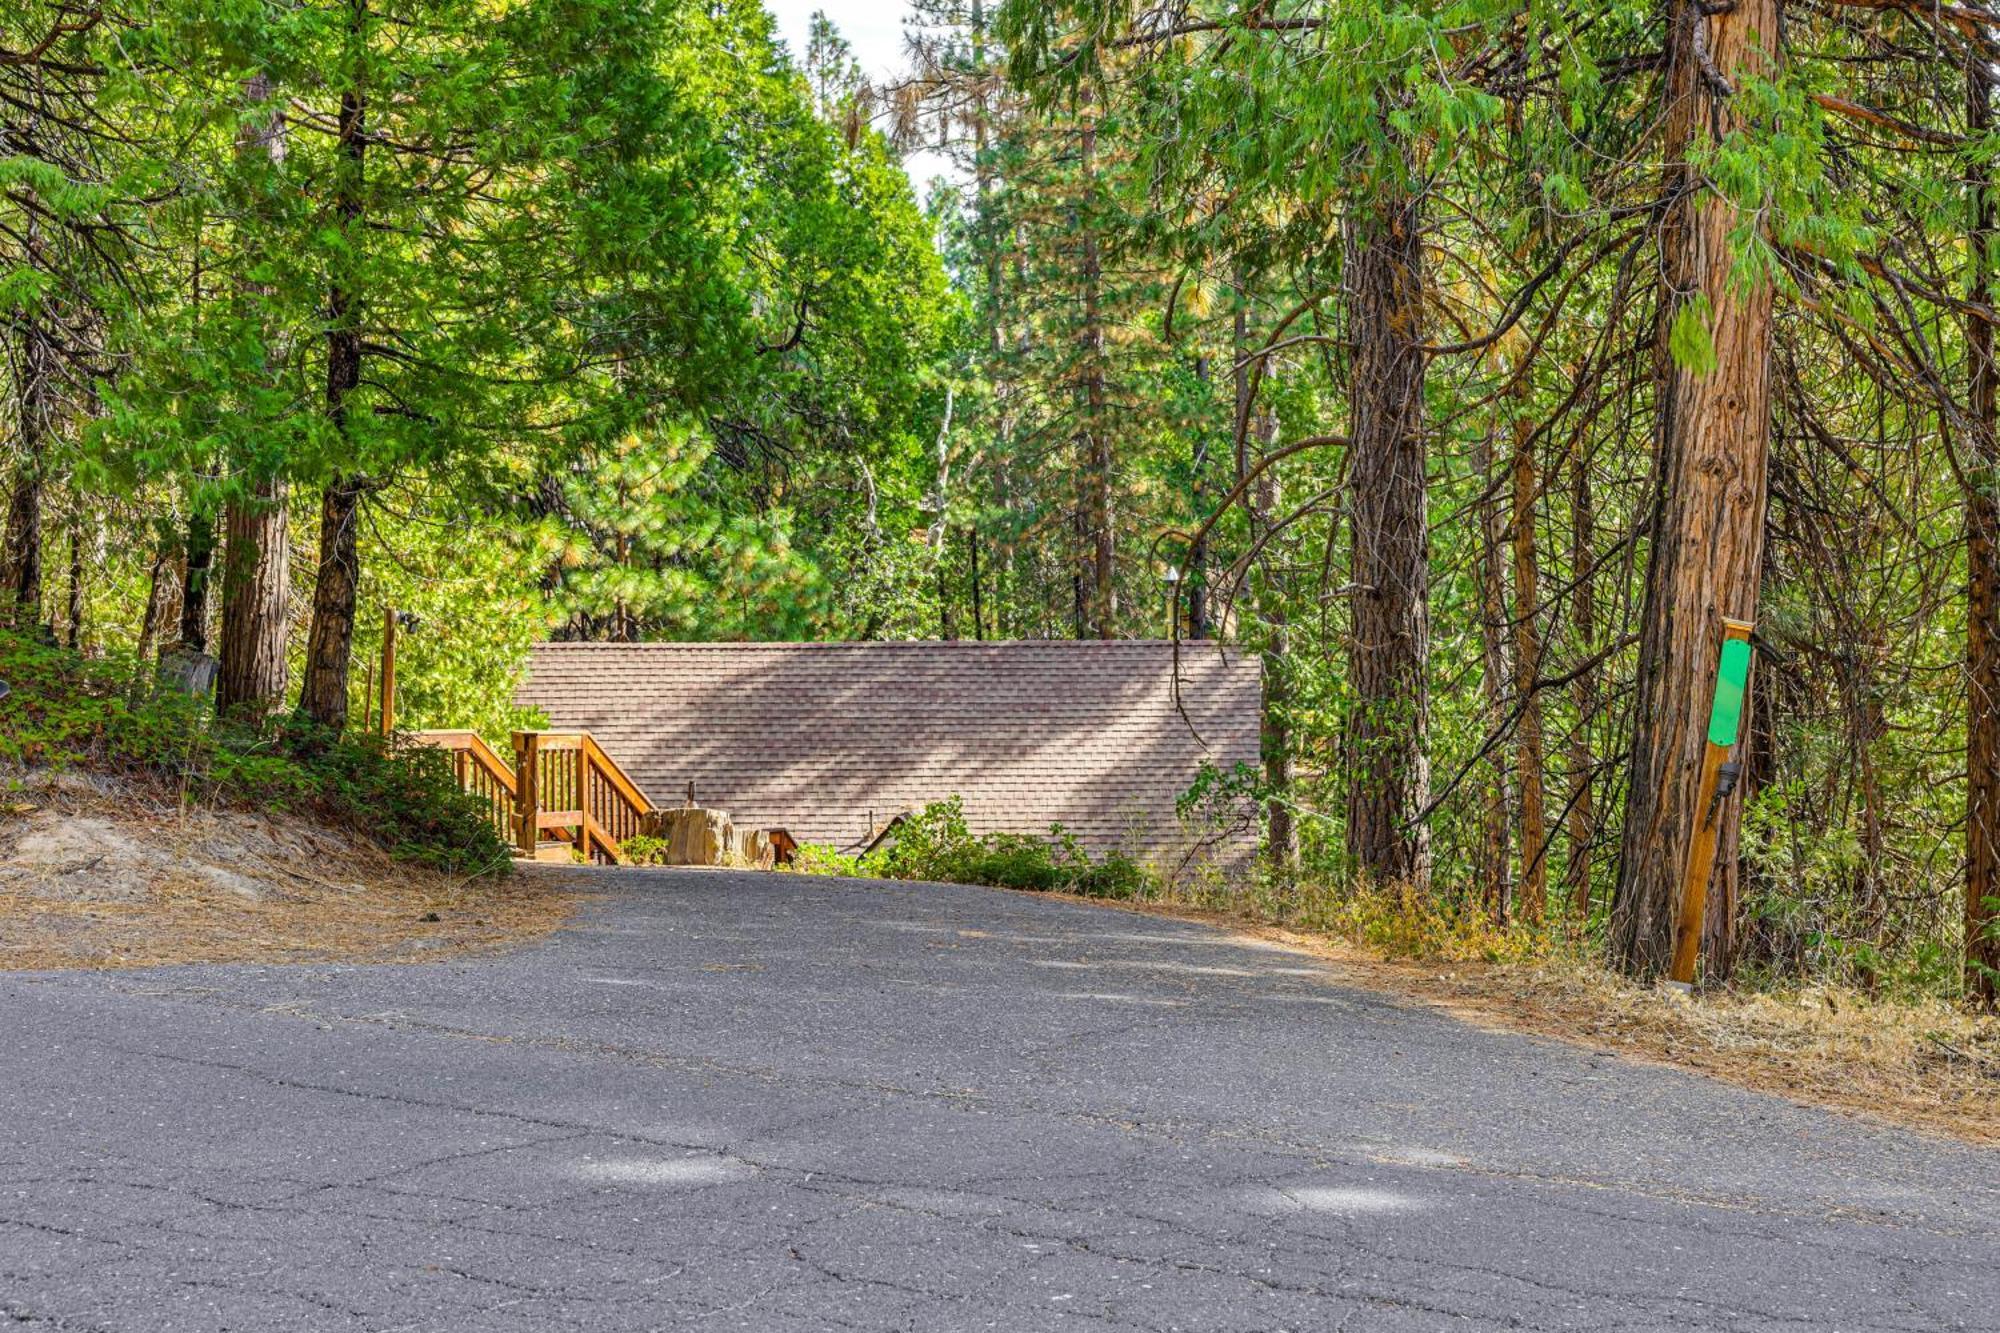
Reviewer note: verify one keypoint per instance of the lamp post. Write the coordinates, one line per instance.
(392, 619)
(1173, 581)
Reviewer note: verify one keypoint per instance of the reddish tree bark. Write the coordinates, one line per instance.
(256, 603)
(1982, 540)
(1583, 616)
(1493, 868)
(1707, 532)
(34, 376)
(1533, 894)
(257, 536)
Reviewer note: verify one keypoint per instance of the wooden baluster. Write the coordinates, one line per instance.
(583, 801)
(548, 783)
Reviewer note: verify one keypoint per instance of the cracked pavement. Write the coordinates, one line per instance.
(740, 1101)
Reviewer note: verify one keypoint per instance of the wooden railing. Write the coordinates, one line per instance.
(481, 772)
(561, 788)
(566, 787)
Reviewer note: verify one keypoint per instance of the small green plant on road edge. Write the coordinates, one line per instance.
(935, 843)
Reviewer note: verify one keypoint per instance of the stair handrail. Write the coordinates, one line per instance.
(603, 805)
(617, 777)
(472, 760)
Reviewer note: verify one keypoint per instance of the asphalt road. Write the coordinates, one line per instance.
(731, 1101)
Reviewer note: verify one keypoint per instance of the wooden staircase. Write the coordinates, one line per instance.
(561, 798)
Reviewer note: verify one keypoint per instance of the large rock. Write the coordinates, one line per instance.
(694, 837)
(754, 850)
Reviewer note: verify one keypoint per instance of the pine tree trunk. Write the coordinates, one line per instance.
(163, 591)
(195, 570)
(1707, 533)
(1099, 550)
(256, 604)
(1533, 895)
(330, 641)
(257, 564)
(1275, 727)
(972, 580)
(1389, 656)
(73, 604)
(1197, 558)
(1493, 871)
(85, 553)
(1583, 615)
(195, 580)
(1982, 532)
(21, 597)
(21, 600)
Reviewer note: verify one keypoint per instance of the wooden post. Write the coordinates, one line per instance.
(527, 802)
(1724, 724)
(388, 670)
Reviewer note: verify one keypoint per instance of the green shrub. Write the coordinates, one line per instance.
(66, 710)
(644, 850)
(935, 843)
(1116, 876)
(816, 858)
(1015, 861)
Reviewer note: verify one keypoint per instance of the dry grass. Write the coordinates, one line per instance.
(1925, 1066)
(207, 886)
(402, 922)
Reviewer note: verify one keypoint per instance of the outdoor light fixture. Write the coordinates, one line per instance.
(392, 620)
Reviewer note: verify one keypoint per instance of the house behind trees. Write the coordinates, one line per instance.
(829, 741)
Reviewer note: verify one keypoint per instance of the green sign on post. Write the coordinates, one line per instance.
(1726, 717)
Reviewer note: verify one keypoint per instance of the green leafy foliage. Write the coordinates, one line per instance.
(936, 844)
(645, 850)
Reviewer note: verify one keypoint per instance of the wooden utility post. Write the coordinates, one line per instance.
(388, 670)
(1718, 779)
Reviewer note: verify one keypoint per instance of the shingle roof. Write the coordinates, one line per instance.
(812, 738)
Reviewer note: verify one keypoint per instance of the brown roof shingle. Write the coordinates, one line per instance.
(813, 737)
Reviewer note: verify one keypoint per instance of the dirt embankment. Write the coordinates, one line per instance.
(101, 873)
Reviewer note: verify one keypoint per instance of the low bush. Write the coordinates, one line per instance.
(1116, 876)
(100, 714)
(816, 858)
(1012, 861)
(644, 850)
(935, 843)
